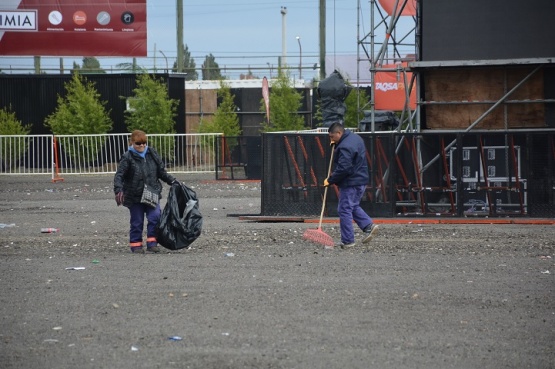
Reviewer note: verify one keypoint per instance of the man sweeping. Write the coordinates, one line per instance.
(350, 174)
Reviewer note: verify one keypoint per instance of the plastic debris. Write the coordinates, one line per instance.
(134, 348)
(230, 254)
(175, 338)
(3, 225)
(49, 230)
(75, 268)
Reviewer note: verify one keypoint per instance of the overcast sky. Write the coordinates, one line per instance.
(242, 33)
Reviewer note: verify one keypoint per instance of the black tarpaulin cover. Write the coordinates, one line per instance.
(332, 92)
(181, 221)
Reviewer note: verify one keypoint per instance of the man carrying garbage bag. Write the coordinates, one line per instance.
(181, 221)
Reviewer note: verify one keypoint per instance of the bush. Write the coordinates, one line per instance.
(152, 111)
(81, 112)
(285, 103)
(12, 148)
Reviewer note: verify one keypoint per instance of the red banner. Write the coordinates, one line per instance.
(73, 27)
(390, 90)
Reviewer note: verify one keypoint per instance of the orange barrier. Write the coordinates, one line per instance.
(56, 177)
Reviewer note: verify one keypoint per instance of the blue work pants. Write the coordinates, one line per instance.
(349, 209)
(138, 212)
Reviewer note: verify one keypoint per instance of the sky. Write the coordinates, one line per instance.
(243, 34)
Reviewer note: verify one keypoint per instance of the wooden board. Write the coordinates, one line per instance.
(457, 85)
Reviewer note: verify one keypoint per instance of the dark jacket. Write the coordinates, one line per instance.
(134, 171)
(351, 167)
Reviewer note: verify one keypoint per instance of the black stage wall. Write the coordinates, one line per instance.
(486, 29)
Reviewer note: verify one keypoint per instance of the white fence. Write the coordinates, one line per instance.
(88, 154)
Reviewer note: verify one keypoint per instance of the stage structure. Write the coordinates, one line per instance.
(477, 128)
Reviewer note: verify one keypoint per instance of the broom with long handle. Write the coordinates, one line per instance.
(317, 235)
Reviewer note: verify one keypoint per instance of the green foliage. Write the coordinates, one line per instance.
(152, 111)
(189, 65)
(285, 103)
(211, 69)
(10, 125)
(318, 116)
(81, 112)
(12, 149)
(225, 118)
(90, 65)
(353, 115)
(131, 67)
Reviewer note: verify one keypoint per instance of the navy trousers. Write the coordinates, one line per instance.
(136, 223)
(349, 209)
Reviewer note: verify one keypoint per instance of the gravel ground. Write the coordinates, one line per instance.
(255, 295)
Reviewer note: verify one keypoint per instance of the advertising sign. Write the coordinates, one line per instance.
(390, 90)
(73, 27)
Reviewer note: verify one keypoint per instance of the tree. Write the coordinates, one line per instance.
(189, 65)
(12, 148)
(131, 67)
(151, 110)
(352, 115)
(91, 65)
(225, 118)
(81, 112)
(211, 69)
(285, 102)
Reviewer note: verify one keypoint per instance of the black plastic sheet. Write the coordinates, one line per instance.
(332, 92)
(181, 221)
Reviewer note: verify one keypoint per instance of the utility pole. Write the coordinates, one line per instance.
(36, 60)
(283, 36)
(322, 39)
(180, 56)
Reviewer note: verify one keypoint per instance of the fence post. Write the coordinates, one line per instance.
(56, 171)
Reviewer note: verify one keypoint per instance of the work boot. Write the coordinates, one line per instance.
(369, 232)
(346, 245)
(137, 250)
(153, 249)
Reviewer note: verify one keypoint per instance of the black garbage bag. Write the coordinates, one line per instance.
(181, 221)
(332, 92)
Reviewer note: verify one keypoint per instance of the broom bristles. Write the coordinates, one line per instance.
(318, 236)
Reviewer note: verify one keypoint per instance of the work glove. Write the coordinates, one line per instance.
(119, 198)
(326, 183)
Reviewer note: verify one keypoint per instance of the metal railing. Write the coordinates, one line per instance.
(88, 154)
(26, 154)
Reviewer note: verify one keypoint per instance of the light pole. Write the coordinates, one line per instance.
(300, 58)
(164, 55)
(283, 38)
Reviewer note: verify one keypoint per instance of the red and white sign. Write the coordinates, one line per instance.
(73, 27)
(390, 90)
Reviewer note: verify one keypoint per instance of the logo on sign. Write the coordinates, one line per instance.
(21, 20)
(389, 86)
(127, 18)
(79, 17)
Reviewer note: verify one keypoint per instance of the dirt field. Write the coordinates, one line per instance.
(255, 295)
